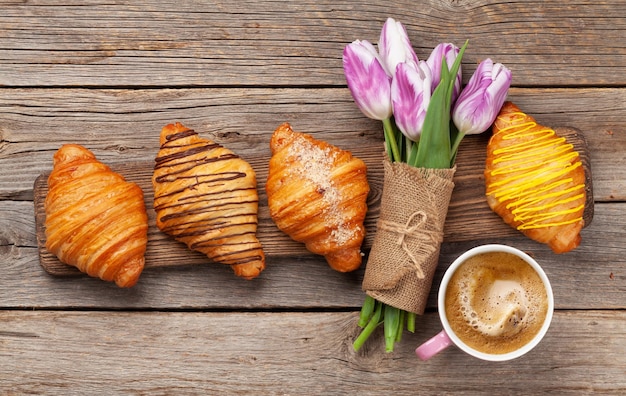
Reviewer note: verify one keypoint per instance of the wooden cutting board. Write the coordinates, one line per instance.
(469, 217)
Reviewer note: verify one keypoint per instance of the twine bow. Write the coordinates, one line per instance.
(412, 229)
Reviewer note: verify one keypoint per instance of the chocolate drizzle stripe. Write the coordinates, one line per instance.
(195, 162)
(210, 242)
(212, 178)
(180, 135)
(181, 232)
(207, 226)
(204, 211)
(234, 256)
(208, 197)
(214, 183)
(240, 261)
(185, 153)
(167, 145)
(217, 193)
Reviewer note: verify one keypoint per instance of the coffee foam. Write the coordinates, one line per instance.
(500, 310)
(496, 302)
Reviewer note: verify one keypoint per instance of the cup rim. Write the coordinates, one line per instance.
(442, 312)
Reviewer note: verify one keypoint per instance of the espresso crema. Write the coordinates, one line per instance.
(496, 302)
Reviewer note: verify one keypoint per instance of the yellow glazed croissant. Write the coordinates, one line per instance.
(206, 196)
(535, 180)
(95, 220)
(317, 195)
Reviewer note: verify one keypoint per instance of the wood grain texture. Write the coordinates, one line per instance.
(469, 217)
(198, 43)
(289, 354)
(122, 126)
(590, 277)
(110, 74)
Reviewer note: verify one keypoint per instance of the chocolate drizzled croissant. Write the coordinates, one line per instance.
(205, 196)
(317, 194)
(95, 220)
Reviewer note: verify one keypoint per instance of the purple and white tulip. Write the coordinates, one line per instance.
(410, 96)
(480, 101)
(395, 47)
(449, 52)
(367, 79)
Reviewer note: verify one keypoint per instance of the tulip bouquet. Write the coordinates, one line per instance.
(425, 114)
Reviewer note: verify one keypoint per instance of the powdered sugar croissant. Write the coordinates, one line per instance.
(205, 196)
(535, 180)
(95, 220)
(317, 195)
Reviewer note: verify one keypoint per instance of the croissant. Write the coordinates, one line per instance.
(317, 195)
(95, 220)
(535, 180)
(205, 196)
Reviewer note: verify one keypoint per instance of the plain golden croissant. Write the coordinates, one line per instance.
(206, 196)
(317, 194)
(95, 220)
(535, 180)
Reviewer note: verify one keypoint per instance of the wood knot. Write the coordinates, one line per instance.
(3, 143)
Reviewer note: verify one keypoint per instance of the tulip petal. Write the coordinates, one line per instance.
(410, 96)
(367, 80)
(448, 51)
(394, 46)
(479, 103)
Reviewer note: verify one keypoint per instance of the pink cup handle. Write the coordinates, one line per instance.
(433, 346)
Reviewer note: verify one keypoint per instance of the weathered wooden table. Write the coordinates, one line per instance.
(110, 75)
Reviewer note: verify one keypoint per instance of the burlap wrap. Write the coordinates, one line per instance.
(405, 251)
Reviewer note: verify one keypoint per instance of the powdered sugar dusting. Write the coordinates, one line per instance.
(316, 167)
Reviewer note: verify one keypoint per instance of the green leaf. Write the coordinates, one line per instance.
(435, 150)
(456, 137)
(434, 147)
(453, 72)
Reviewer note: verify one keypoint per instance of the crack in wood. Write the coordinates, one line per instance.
(18, 334)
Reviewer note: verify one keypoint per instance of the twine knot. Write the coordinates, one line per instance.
(412, 228)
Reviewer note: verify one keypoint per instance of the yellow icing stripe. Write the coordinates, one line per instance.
(531, 163)
(521, 150)
(526, 183)
(523, 202)
(544, 225)
(528, 180)
(523, 214)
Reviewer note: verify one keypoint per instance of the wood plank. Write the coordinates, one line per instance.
(469, 217)
(122, 126)
(289, 353)
(164, 43)
(590, 277)
(234, 72)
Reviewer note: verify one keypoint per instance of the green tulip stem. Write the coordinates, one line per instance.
(367, 311)
(391, 324)
(390, 138)
(375, 320)
(410, 321)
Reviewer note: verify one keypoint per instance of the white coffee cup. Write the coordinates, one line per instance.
(448, 337)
